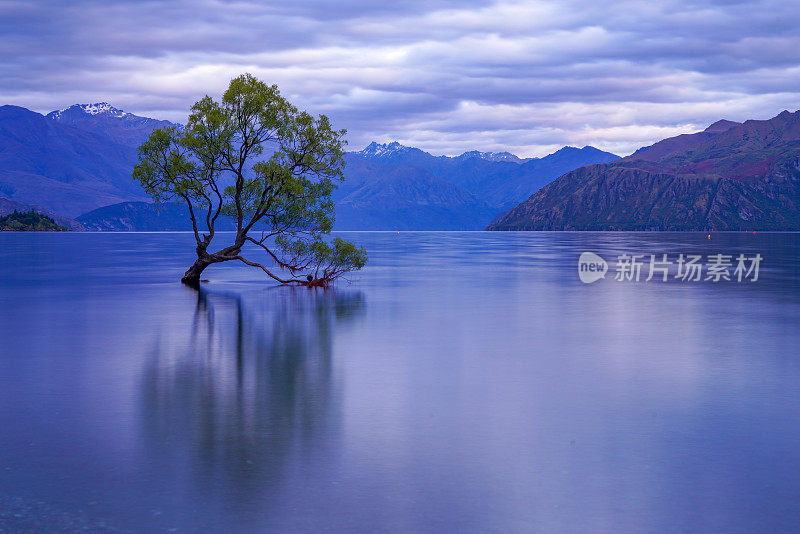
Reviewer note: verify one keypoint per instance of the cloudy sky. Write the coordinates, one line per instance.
(445, 76)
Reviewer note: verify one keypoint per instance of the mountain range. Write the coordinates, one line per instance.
(69, 165)
(391, 186)
(730, 176)
(74, 165)
(77, 163)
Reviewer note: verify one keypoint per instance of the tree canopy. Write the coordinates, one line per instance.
(30, 221)
(255, 157)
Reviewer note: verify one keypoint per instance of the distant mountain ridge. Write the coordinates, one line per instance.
(392, 186)
(98, 108)
(493, 156)
(730, 176)
(388, 187)
(76, 160)
(386, 150)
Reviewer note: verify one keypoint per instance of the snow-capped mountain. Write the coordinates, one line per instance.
(392, 186)
(493, 156)
(72, 160)
(67, 168)
(376, 150)
(89, 109)
(103, 118)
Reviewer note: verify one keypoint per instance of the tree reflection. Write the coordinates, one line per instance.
(250, 386)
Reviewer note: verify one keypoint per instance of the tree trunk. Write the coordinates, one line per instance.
(192, 276)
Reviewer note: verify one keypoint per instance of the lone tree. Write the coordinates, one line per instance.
(256, 158)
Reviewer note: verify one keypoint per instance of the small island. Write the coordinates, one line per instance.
(29, 221)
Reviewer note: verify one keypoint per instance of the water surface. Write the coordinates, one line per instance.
(463, 382)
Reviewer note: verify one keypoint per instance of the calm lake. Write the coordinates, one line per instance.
(463, 382)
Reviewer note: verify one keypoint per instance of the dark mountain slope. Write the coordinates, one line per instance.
(144, 217)
(729, 177)
(408, 198)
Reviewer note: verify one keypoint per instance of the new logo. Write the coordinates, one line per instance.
(591, 267)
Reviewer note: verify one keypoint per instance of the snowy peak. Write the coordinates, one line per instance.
(492, 156)
(104, 119)
(395, 152)
(97, 108)
(388, 150)
(101, 107)
(377, 150)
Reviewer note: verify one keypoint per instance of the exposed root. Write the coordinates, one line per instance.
(310, 281)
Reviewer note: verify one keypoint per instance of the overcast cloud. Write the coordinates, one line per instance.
(528, 77)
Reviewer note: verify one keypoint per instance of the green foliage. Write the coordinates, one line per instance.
(30, 221)
(257, 158)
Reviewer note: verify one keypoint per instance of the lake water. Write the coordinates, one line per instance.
(463, 382)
